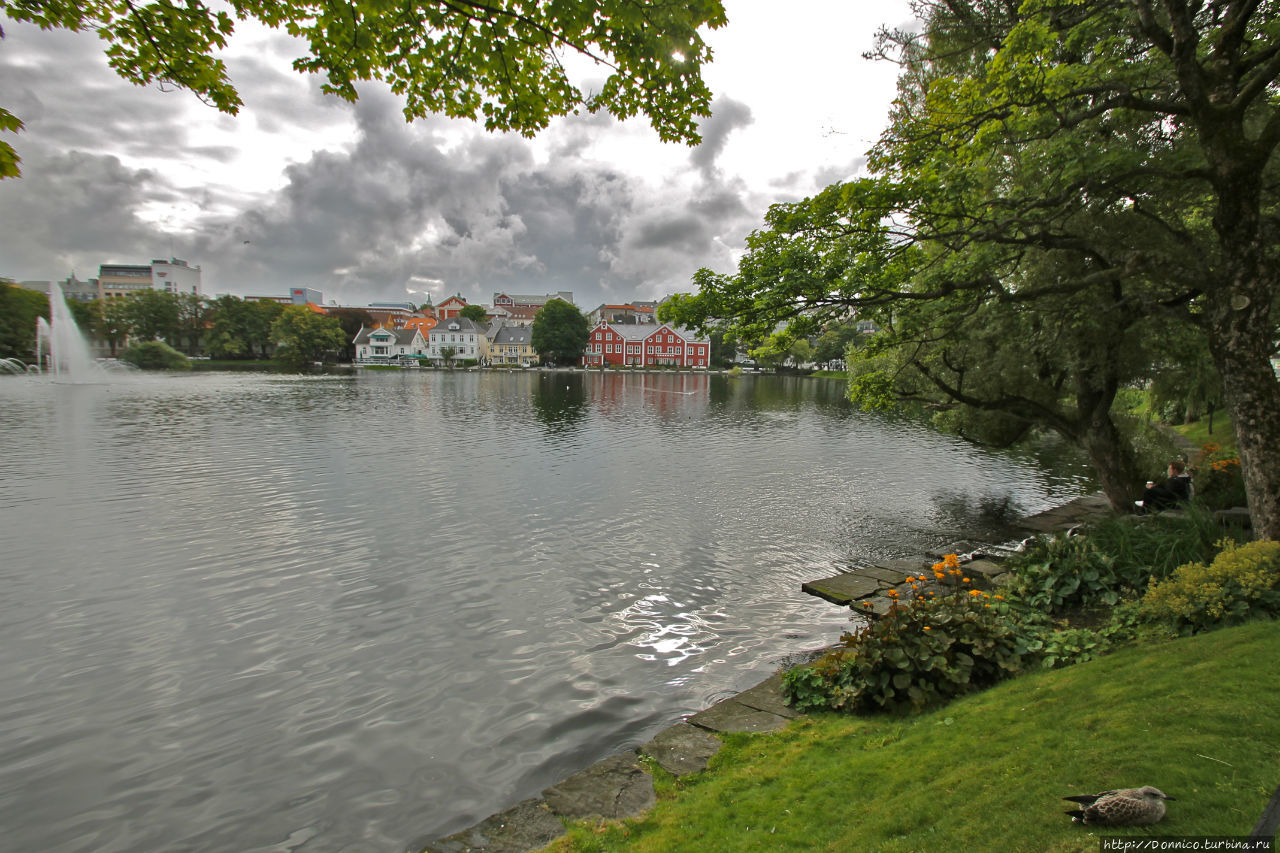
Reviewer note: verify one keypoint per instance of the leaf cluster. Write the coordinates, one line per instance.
(499, 61)
(1241, 583)
(924, 652)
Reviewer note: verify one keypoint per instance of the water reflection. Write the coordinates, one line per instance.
(559, 401)
(249, 611)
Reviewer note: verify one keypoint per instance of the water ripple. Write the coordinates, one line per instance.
(247, 612)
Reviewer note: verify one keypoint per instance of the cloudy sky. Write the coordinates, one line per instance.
(304, 190)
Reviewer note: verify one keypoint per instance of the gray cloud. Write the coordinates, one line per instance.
(727, 115)
(404, 204)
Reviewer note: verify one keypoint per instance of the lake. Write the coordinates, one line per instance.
(255, 612)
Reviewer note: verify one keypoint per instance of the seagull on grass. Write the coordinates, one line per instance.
(1122, 807)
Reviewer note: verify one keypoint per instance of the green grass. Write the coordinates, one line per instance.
(1198, 717)
(1223, 435)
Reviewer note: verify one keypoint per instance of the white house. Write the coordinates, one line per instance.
(384, 345)
(458, 338)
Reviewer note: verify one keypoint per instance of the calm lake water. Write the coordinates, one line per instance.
(355, 613)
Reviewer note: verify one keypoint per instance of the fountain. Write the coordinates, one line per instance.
(14, 366)
(60, 347)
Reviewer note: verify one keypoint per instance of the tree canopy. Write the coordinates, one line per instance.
(1065, 186)
(303, 337)
(499, 61)
(560, 332)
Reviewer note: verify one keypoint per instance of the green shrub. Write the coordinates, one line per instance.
(1059, 573)
(1241, 583)
(1155, 545)
(1218, 480)
(155, 355)
(922, 653)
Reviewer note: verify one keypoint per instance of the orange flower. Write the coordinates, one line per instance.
(975, 592)
(927, 628)
(966, 580)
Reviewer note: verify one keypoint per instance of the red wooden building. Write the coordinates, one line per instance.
(627, 345)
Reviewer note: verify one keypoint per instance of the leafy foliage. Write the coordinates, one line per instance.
(303, 336)
(1062, 201)
(19, 309)
(1218, 480)
(560, 332)
(1241, 583)
(155, 355)
(1113, 561)
(924, 652)
(498, 61)
(1062, 573)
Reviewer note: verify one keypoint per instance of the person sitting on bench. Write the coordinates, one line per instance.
(1158, 496)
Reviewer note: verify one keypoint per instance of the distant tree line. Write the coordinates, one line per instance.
(228, 327)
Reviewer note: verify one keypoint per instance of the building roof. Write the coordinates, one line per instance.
(463, 325)
(403, 337)
(513, 335)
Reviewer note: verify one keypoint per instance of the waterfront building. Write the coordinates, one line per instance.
(512, 345)
(465, 339)
(386, 345)
(631, 345)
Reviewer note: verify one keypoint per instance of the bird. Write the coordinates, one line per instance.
(1121, 807)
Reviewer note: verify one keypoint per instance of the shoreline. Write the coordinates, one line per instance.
(619, 787)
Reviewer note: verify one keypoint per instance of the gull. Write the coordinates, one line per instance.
(1121, 807)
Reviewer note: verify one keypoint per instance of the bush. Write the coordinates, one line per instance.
(1062, 572)
(1155, 545)
(1241, 583)
(923, 652)
(1218, 481)
(155, 355)
(1113, 561)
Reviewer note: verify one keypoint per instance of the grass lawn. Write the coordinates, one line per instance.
(1223, 435)
(1197, 717)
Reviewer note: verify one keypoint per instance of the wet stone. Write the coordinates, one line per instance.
(731, 716)
(614, 788)
(682, 749)
(843, 588)
(527, 825)
(767, 696)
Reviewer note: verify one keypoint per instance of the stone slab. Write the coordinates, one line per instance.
(767, 696)
(733, 716)
(985, 567)
(889, 575)
(528, 825)
(682, 749)
(842, 589)
(615, 788)
(1078, 511)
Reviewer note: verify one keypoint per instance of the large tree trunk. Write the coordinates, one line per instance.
(1242, 334)
(1111, 458)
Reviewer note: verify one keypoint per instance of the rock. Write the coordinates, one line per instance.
(682, 749)
(526, 826)
(615, 788)
(731, 716)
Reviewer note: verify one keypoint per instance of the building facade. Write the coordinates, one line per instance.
(458, 339)
(512, 345)
(173, 276)
(632, 345)
(386, 345)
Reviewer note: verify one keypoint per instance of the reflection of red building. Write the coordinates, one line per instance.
(646, 346)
